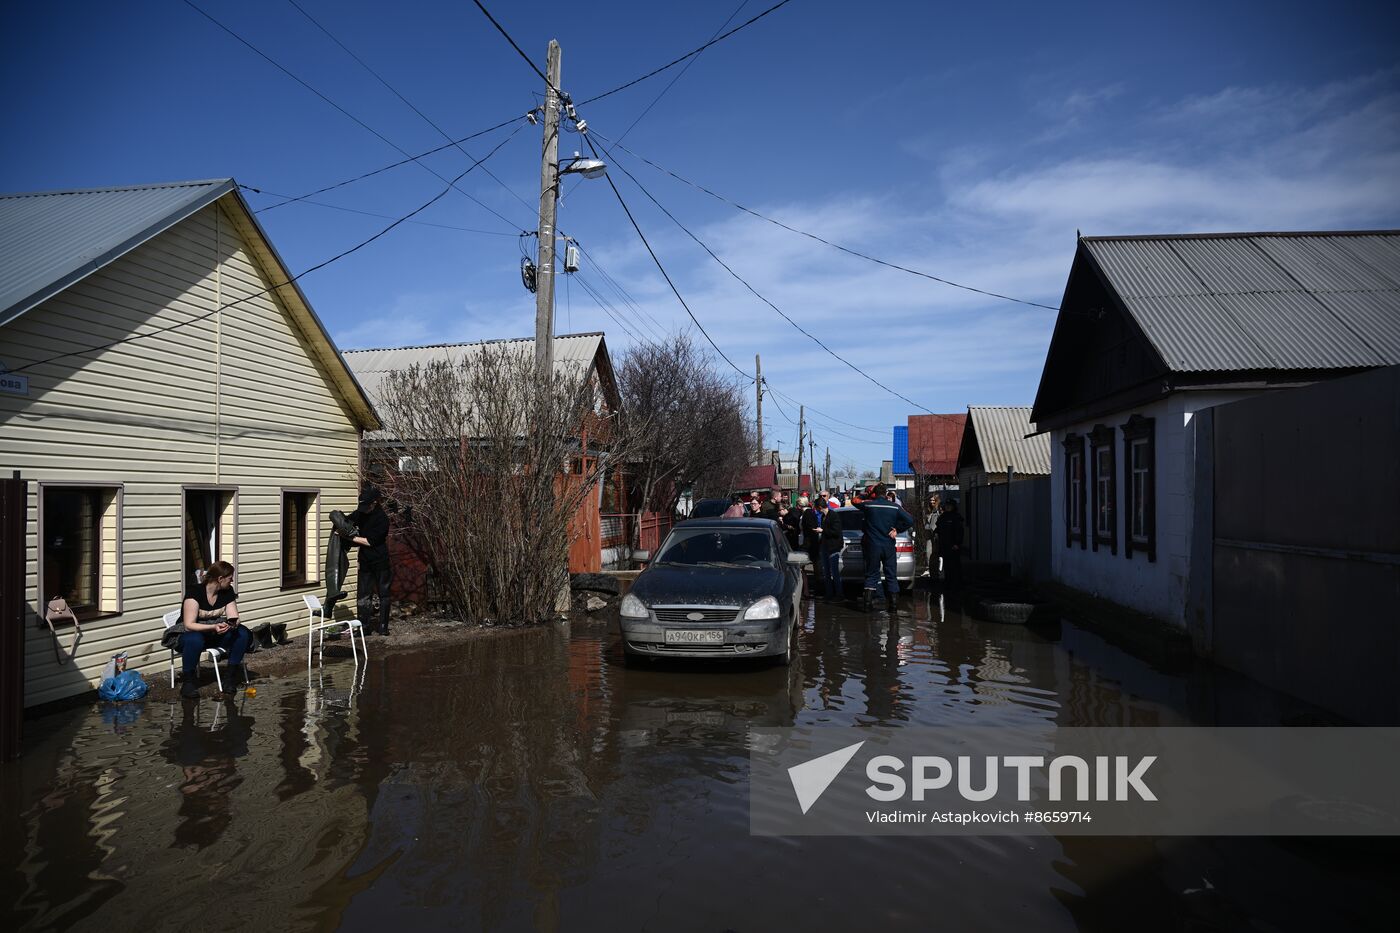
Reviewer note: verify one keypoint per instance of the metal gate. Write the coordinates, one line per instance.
(12, 519)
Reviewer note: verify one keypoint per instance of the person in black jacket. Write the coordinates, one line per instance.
(375, 572)
(811, 543)
(950, 539)
(830, 559)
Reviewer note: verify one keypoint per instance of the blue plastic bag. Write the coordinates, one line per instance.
(127, 685)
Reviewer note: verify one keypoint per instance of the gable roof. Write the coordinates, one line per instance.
(995, 438)
(50, 240)
(573, 354)
(933, 443)
(1258, 301)
(764, 476)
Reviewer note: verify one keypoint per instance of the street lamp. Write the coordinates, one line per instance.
(588, 168)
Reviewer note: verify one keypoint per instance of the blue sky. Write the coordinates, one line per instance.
(967, 140)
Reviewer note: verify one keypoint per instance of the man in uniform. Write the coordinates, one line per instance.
(883, 520)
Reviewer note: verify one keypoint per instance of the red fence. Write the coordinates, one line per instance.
(645, 530)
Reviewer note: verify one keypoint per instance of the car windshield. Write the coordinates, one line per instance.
(718, 547)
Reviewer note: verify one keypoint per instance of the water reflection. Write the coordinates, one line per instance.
(532, 780)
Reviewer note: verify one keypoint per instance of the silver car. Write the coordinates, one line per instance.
(853, 555)
(717, 588)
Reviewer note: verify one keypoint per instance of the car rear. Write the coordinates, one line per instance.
(853, 568)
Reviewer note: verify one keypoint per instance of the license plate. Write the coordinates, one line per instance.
(694, 637)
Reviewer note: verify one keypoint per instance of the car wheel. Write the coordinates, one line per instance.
(785, 658)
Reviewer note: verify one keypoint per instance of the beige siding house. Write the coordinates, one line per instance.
(171, 401)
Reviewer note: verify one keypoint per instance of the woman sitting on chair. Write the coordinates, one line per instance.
(209, 616)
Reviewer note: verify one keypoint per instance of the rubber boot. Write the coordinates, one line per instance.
(892, 602)
(867, 601)
(189, 688)
(233, 678)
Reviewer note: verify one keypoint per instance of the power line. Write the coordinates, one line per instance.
(823, 414)
(356, 210)
(680, 74)
(395, 91)
(671, 64)
(626, 210)
(741, 280)
(289, 73)
(515, 45)
(812, 236)
(320, 265)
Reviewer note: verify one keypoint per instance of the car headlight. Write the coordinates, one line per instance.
(765, 608)
(633, 607)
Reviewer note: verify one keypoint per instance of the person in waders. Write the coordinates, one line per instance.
(883, 520)
(375, 572)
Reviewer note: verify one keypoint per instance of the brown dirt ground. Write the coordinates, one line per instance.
(411, 630)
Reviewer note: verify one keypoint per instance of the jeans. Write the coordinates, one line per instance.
(831, 564)
(193, 644)
(880, 554)
(373, 581)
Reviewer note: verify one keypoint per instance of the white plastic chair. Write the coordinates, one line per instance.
(315, 611)
(213, 654)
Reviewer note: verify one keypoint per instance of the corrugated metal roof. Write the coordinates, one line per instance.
(901, 450)
(933, 443)
(573, 354)
(51, 239)
(1001, 439)
(1260, 301)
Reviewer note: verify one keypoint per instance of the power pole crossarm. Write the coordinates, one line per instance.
(549, 199)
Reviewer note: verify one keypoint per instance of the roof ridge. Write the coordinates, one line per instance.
(1238, 235)
(193, 183)
(469, 343)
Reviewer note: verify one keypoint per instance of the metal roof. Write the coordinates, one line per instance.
(933, 443)
(1000, 432)
(901, 450)
(1260, 301)
(51, 239)
(573, 354)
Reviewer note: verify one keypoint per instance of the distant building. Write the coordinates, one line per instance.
(902, 473)
(205, 415)
(934, 441)
(1153, 329)
(995, 441)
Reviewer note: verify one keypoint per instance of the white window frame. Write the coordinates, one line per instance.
(1141, 477)
(1076, 492)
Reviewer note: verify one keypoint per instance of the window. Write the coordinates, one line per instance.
(1074, 490)
(1104, 488)
(210, 530)
(79, 548)
(1139, 474)
(300, 537)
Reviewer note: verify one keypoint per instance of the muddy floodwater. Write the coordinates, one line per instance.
(531, 781)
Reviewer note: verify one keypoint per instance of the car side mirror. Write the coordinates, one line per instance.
(798, 558)
(641, 556)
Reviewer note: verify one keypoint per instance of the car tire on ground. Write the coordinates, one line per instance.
(785, 658)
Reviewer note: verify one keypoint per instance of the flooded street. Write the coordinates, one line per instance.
(530, 781)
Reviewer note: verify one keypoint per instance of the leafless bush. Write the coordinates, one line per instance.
(696, 422)
(483, 456)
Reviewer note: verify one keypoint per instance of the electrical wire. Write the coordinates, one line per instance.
(664, 274)
(607, 308)
(671, 64)
(824, 415)
(411, 106)
(621, 292)
(355, 210)
(812, 236)
(289, 73)
(680, 74)
(381, 169)
(515, 45)
(305, 272)
(742, 281)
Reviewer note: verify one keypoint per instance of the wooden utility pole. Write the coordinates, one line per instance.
(758, 388)
(827, 471)
(549, 200)
(801, 436)
(812, 449)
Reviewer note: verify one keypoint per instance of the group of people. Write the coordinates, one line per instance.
(814, 525)
(209, 615)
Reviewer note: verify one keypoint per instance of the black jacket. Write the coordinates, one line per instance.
(811, 528)
(949, 531)
(374, 528)
(831, 531)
